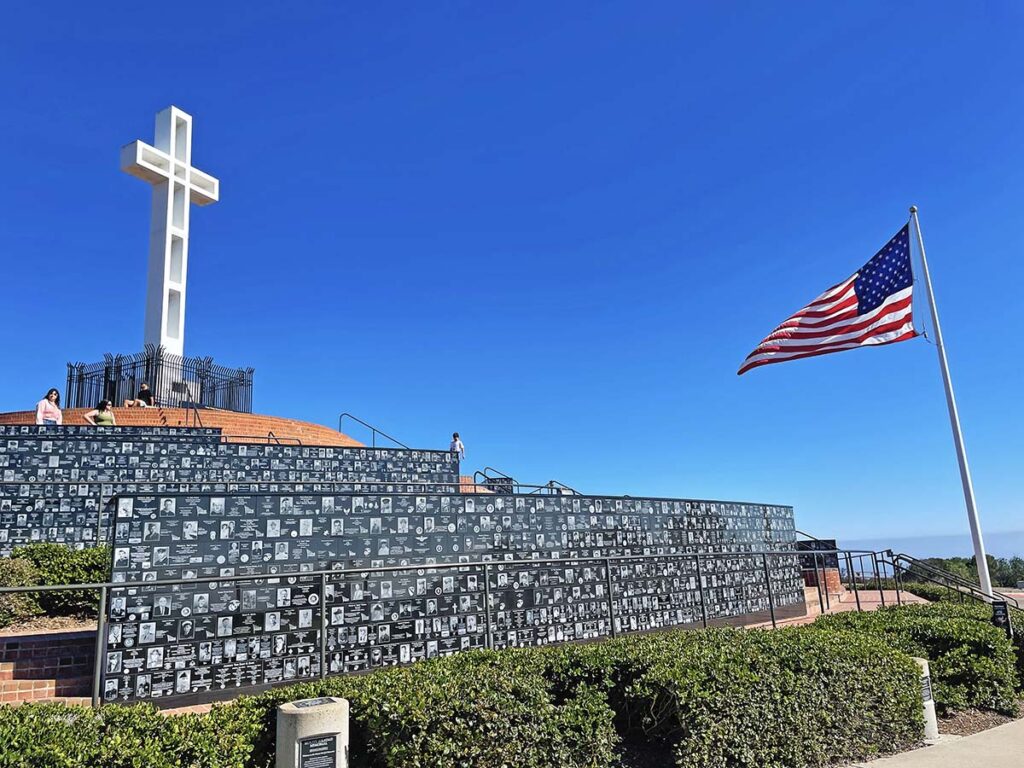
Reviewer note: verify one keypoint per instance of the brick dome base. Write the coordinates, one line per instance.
(237, 427)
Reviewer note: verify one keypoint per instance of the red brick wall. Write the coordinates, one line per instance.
(832, 583)
(45, 665)
(234, 425)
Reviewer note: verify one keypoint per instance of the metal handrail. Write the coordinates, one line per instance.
(972, 590)
(192, 405)
(485, 565)
(267, 437)
(373, 429)
(551, 485)
(498, 475)
(555, 486)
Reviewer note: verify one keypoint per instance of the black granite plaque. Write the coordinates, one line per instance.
(256, 619)
(319, 751)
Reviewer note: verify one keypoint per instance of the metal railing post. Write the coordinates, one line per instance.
(896, 579)
(853, 580)
(700, 589)
(878, 579)
(817, 583)
(99, 517)
(611, 598)
(824, 577)
(323, 625)
(768, 583)
(488, 639)
(101, 645)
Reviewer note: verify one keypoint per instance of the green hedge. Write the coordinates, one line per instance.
(972, 663)
(728, 698)
(932, 592)
(926, 589)
(58, 564)
(18, 607)
(716, 698)
(980, 612)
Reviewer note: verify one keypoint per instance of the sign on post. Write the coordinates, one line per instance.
(1001, 617)
(313, 733)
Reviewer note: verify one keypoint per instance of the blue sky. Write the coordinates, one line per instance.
(556, 228)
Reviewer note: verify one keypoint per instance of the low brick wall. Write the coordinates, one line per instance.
(234, 425)
(832, 582)
(46, 664)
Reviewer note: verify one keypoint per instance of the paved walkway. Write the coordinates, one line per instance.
(870, 600)
(1001, 747)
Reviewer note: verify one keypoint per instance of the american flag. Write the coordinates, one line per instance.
(873, 307)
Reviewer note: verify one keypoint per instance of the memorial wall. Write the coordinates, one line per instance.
(292, 623)
(56, 485)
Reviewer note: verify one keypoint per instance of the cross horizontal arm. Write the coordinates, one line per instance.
(153, 166)
(145, 162)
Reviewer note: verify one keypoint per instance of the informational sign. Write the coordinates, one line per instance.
(252, 610)
(319, 751)
(1001, 617)
(926, 688)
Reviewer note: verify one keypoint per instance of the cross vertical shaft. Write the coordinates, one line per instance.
(167, 166)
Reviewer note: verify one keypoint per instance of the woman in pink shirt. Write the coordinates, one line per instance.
(48, 409)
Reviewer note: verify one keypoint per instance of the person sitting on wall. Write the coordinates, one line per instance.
(457, 447)
(144, 399)
(102, 415)
(48, 409)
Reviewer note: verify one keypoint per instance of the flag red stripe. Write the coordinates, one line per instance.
(903, 337)
(892, 325)
(831, 293)
(868, 319)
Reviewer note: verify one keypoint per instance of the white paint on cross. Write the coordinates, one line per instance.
(168, 167)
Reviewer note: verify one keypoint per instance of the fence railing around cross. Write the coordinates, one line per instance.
(176, 382)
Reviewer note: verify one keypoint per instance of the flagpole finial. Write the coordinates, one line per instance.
(913, 209)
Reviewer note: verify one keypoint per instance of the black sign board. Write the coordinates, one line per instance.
(319, 751)
(810, 561)
(926, 688)
(1001, 617)
(500, 484)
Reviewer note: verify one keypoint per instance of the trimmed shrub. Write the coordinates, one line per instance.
(17, 607)
(981, 612)
(934, 593)
(476, 708)
(733, 698)
(929, 591)
(972, 664)
(796, 698)
(58, 564)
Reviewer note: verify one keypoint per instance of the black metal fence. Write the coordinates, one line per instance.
(176, 382)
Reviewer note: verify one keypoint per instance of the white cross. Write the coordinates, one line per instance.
(168, 167)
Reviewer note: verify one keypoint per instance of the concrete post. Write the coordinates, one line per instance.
(931, 724)
(313, 733)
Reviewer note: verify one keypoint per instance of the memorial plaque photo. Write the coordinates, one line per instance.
(282, 586)
(56, 482)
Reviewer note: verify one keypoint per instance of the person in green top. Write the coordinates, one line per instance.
(102, 415)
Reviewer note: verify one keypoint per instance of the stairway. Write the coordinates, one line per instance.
(46, 665)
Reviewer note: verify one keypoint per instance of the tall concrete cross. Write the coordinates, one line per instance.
(168, 167)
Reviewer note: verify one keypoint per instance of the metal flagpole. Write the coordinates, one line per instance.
(954, 420)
